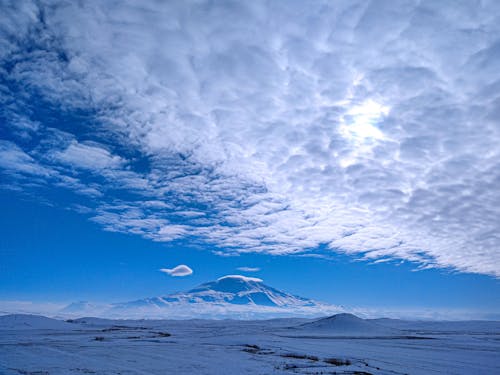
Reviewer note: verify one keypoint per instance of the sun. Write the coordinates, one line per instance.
(359, 127)
(359, 122)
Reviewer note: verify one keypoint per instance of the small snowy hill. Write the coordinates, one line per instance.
(25, 321)
(231, 296)
(346, 324)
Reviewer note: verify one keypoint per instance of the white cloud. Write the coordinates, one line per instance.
(13, 159)
(170, 232)
(248, 269)
(209, 310)
(30, 307)
(179, 271)
(20, 167)
(241, 277)
(85, 156)
(368, 127)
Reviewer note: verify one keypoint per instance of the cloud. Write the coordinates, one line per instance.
(241, 277)
(13, 159)
(248, 269)
(364, 127)
(30, 307)
(91, 157)
(241, 311)
(178, 271)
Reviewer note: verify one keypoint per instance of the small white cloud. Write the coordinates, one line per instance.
(87, 156)
(180, 270)
(248, 269)
(241, 277)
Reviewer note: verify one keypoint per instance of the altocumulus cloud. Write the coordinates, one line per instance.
(368, 127)
(180, 270)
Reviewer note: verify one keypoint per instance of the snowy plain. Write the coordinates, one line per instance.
(342, 344)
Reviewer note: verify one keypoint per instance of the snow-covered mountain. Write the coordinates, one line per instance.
(82, 307)
(233, 296)
(231, 289)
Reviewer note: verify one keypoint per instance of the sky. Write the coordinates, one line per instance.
(347, 151)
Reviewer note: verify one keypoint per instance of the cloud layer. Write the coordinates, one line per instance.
(367, 127)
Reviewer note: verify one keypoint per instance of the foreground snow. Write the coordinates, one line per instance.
(38, 345)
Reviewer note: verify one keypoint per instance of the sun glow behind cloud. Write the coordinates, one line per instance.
(359, 125)
(360, 121)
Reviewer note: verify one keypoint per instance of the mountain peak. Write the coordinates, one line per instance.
(233, 284)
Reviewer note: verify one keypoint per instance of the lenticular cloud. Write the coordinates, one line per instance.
(366, 127)
(179, 271)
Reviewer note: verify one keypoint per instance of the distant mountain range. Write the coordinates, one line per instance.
(231, 296)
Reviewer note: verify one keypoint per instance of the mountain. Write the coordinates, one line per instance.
(231, 289)
(231, 296)
(81, 307)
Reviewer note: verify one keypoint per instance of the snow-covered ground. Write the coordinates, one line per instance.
(340, 345)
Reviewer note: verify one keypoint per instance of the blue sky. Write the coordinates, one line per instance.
(61, 257)
(339, 147)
